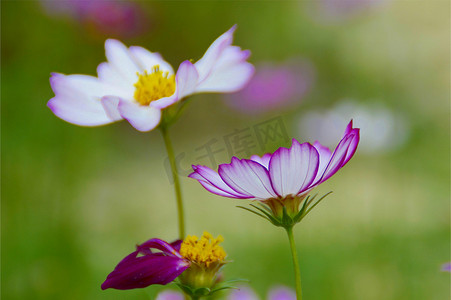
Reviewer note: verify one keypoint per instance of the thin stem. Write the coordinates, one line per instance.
(178, 193)
(297, 271)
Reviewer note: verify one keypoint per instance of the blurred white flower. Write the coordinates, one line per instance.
(382, 129)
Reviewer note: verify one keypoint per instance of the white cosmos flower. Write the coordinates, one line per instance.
(136, 84)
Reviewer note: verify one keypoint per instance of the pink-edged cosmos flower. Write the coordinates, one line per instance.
(136, 84)
(160, 262)
(282, 179)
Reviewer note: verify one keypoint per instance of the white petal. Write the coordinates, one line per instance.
(210, 187)
(264, 160)
(223, 68)
(337, 158)
(293, 170)
(247, 177)
(121, 60)
(227, 79)
(186, 78)
(143, 118)
(146, 60)
(324, 158)
(213, 178)
(207, 62)
(109, 75)
(110, 105)
(85, 84)
(77, 100)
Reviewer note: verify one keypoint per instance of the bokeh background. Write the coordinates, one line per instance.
(76, 200)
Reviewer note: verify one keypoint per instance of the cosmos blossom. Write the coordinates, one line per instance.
(284, 174)
(136, 84)
(160, 262)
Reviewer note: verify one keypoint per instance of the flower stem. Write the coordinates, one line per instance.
(297, 271)
(175, 177)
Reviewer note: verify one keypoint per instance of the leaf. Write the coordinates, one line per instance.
(254, 212)
(271, 217)
(203, 291)
(298, 217)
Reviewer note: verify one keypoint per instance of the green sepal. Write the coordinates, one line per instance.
(204, 291)
(298, 217)
(196, 292)
(254, 212)
(172, 113)
(225, 285)
(271, 218)
(286, 221)
(263, 214)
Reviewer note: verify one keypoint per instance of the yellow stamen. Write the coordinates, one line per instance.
(203, 251)
(154, 86)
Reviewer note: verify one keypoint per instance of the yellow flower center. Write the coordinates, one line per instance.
(154, 86)
(203, 251)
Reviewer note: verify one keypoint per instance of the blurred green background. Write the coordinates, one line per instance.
(76, 200)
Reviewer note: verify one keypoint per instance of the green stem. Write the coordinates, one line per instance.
(178, 192)
(297, 271)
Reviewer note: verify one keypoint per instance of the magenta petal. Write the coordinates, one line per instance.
(176, 245)
(212, 182)
(324, 158)
(293, 170)
(159, 245)
(247, 177)
(264, 160)
(139, 272)
(348, 129)
(209, 187)
(353, 145)
(342, 153)
(336, 161)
